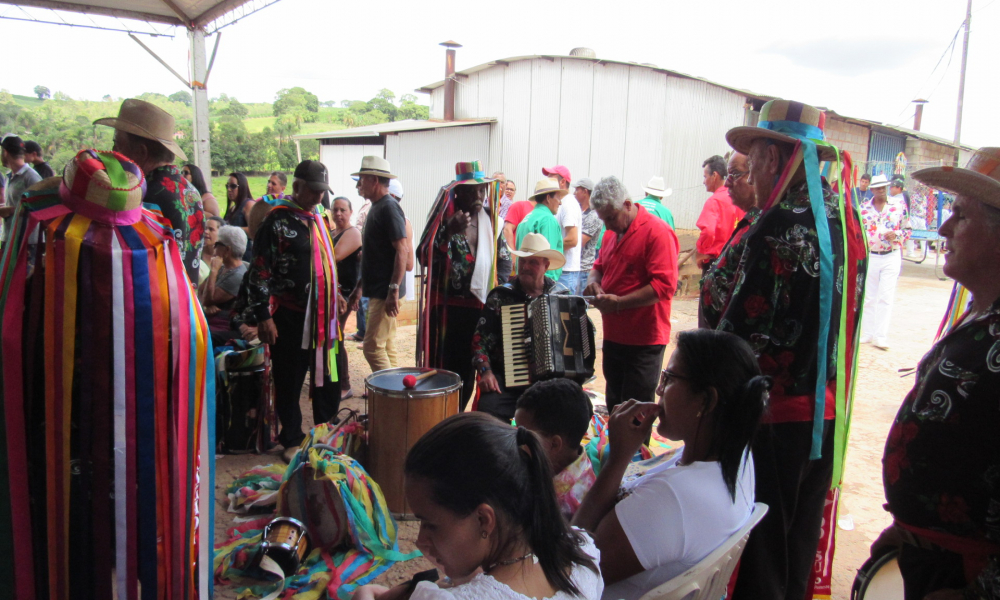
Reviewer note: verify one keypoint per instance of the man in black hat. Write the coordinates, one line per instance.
(33, 155)
(20, 179)
(281, 271)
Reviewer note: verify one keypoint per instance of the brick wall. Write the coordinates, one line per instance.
(923, 153)
(848, 136)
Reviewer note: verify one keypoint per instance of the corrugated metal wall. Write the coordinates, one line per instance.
(425, 160)
(343, 159)
(644, 127)
(698, 115)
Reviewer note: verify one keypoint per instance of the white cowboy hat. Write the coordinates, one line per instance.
(374, 165)
(878, 181)
(546, 186)
(657, 188)
(980, 179)
(535, 244)
(146, 120)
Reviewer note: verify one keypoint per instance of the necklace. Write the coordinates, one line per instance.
(510, 561)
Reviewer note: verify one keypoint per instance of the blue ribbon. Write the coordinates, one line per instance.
(472, 175)
(793, 128)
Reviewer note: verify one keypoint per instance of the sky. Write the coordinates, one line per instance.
(862, 58)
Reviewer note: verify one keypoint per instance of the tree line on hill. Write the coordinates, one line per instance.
(63, 126)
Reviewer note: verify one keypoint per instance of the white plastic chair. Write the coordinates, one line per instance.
(708, 579)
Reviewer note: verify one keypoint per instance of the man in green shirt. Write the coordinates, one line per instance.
(548, 196)
(653, 202)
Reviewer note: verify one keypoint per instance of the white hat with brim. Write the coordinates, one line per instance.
(535, 244)
(878, 181)
(374, 165)
(544, 187)
(146, 120)
(657, 188)
(980, 180)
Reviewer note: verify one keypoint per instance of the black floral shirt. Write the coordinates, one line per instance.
(487, 343)
(179, 202)
(717, 285)
(941, 465)
(774, 303)
(281, 265)
(453, 263)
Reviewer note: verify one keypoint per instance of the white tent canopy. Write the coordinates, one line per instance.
(199, 17)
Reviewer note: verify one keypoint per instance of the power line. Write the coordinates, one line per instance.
(950, 50)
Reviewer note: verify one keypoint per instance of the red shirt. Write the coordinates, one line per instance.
(517, 212)
(646, 254)
(717, 221)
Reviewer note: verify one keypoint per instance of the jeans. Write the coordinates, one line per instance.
(362, 317)
(571, 279)
(380, 337)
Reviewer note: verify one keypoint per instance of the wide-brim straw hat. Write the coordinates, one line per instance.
(878, 181)
(535, 244)
(979, 180)
(782, 121)
(146, 120)
(470, 173)
(105, 179)
(374, 165)
(656, 187)
(547, 186)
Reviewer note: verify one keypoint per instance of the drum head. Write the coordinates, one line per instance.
(390, 382)
(880, 580)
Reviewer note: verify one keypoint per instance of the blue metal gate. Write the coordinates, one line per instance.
(882, 151)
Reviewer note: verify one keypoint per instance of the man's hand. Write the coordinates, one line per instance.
(6, 211)
(249, 333)
(890, 236)
(392, 303)
(211, 310)
(607, 303)
(267, 332)
(355, 298)
(458, 222)
(488, 382)
(593, 289)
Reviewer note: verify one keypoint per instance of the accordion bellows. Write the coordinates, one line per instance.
(549, 337)
(108, 399)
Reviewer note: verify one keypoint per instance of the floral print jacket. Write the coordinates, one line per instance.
(179, 202)
(774, 303)
(717, 285)
(941, 465)
(893, 217)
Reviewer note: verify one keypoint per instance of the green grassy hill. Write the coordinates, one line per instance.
(27, 101)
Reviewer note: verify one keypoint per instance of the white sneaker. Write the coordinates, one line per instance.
(881, 345)
(866, 339)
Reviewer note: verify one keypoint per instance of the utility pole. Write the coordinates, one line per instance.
(961, 82)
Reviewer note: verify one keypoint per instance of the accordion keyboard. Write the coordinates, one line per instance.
(516, 345)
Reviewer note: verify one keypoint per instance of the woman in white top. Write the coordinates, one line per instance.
(489, 519)
(712, 396)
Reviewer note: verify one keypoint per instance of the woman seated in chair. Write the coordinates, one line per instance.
(712, 396)
(488, 518)
(223, 284)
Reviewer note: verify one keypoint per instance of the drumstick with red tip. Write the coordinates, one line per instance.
(411, 381)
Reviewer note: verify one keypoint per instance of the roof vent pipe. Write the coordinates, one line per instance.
(449, 79)
(583, 53)
(918, 116)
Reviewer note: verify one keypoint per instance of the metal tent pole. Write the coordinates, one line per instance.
(199, 73)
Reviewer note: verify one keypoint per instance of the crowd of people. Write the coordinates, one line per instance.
(758, 394)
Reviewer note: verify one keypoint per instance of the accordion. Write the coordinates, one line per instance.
(549, 337)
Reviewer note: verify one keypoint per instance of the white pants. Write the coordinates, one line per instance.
(916, 223)
(880, 287)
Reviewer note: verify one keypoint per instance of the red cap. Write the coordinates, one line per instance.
(557, 170)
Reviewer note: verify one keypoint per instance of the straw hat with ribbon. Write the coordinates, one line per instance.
(656, 187)
(784, 121)
(374, 165)
(535, 244)
(547, 186)
(146, 120)
(470, 173)
(980, 179)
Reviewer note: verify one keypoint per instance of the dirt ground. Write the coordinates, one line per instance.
(921, 299)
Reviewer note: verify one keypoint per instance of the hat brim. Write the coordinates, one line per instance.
(452, 185)
(134, 129)
(961, 182)
(556, 258)
(742, 138)
(876, 186)
(559, 191)
(658, 193)
(375, 173)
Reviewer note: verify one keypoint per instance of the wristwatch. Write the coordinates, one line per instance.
(483, 369)
(393, 286)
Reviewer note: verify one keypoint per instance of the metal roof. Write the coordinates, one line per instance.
(876, 125)
(394, 127)
(506, 61)
(191, 14)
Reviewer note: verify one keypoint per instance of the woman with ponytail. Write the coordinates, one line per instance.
(711, 397)
(489, 518)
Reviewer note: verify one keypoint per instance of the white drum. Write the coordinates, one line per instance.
(879, 579)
